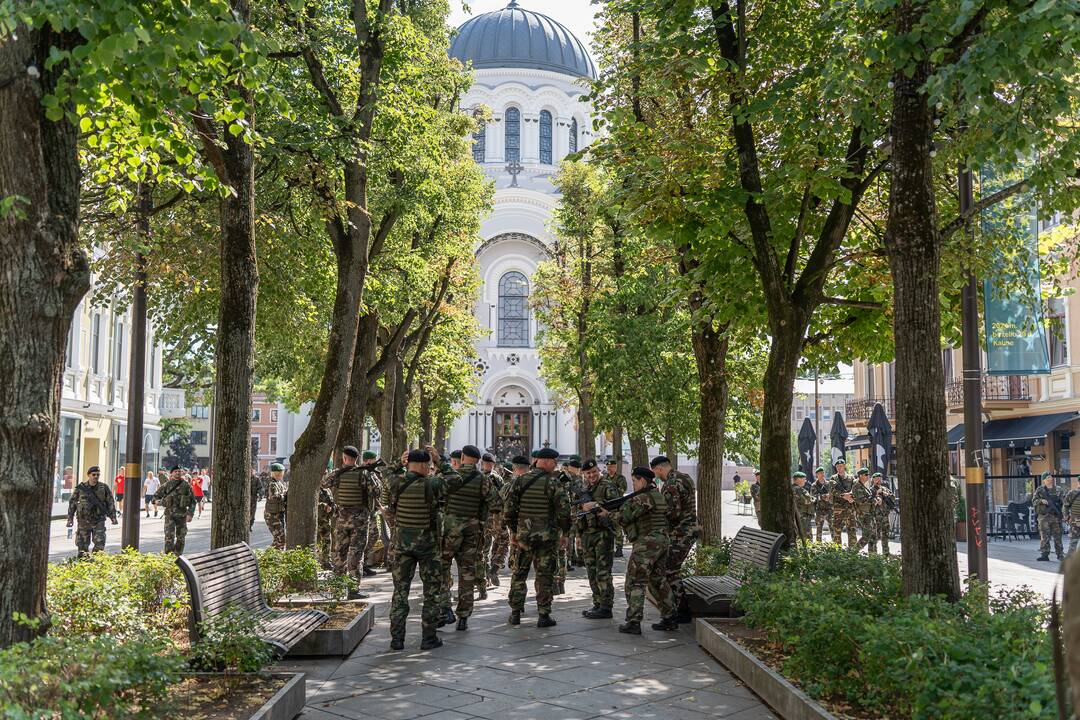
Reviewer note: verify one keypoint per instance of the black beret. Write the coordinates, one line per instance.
(350, 451)
(547, 454)
(456, 454)
(471, 451)
(96, 469)
(519, 460)
(643, 472)
(419, 456)
(573, 462)
(488, 457)
(612, 460)
(172, 468)
(588, 464)
(534, 454)
(658, 460)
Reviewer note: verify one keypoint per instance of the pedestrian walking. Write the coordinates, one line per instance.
(197, 490)
(178, 507)
(150, 488)
(91, 502)
(1046, 500)
(118, 489)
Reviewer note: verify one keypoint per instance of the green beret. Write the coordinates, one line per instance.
(863, 471)
(799, 474)
(276, 467)
(574, 457)
(369, 455)
(573, 463)
(877, 474)
(839, 461)
(534, 454)
(819, 469)
(1046, 474)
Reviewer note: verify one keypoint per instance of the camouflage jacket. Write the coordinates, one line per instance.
(887, 498)
(619, 481)
(557, 497)
(1072, 505)
(92, 503)
(755, 491)
(635, 517)
(177, 497)
(822, 492)
(602, 491)
(488, 494)
(495, 503)
(841, 485)
(277, 496)
(864, 498)
(1047, 501)
(681, 497)
(804, 500)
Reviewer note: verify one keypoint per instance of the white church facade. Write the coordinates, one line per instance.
(532, 73)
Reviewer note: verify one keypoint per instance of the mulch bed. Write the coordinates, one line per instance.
(340, 616)
(220, 698)
(772, 654)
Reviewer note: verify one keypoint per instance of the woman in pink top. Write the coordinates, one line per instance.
(196, 487)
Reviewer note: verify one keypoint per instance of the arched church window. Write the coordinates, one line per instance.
(513, 134)
(545, 137)
(513, 310)
(573, 135)
(479, 144)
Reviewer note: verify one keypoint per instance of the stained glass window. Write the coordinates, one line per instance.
(545, 137)
(513, 310)
(479, 143)
(513, 135)
(573, 135)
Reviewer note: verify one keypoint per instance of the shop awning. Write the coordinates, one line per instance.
(1028, 430)
(858, 442)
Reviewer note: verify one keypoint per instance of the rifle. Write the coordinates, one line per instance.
(96, 501)
(609, 505)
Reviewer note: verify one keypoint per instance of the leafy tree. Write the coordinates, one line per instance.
(177, 432)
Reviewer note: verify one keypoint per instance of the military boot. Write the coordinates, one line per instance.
(397, 644)
(618, 551)
(630, 627)
(463, 623)
(668, 623)
(585, 613)
(369, 571)
(684, 616)
(481, 592)
(558, 587)
(545, 621)
(1045, 557)
(494, 578)
(450, 618)
(598, 613)
(430, 643)
(515, 617)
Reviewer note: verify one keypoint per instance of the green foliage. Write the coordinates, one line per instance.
(713, 559)
(850, 634)
(85, 678)
(125, 596)
(742, 489)
(177, 434)
(229, 642)
(287, 571)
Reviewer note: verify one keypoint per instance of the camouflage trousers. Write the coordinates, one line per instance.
(251, 513)
(539, 552)
(757, 511)
(500, 544)
(461, 543)
(562, 561)
(1050, 528)
(175, 533)
(597, 552)
(679, 546)
(869, 527)
(1074, 533)
(324, 538)
(881, 520)
(372, 539)
(820, 518)
(805, 519)
(407, 557)
(843, 519)
(350, 536)
(275, 523)
(646, 568)
(85, 532)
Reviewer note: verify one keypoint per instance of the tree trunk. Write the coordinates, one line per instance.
(913, 244)
(777, 510)
(234, 354)
(401, 406)
(425, 418)
(45, 275)
(617, 447)
(669, 448)
(367, 347)
(440, 432)
(639, 451)
(586, 427)
(710, 353)
(386, 413)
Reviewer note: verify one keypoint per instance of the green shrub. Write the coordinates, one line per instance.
(229, 642)
(85, 678)
(287, 571)
(712, 559)
(125, 595)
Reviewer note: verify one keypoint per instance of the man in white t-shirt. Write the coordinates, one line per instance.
(150, 486)
(206, 485)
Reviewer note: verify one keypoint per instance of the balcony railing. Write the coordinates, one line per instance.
(860, 409)
(994, 388)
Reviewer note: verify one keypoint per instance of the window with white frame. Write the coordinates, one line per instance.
(1055, 317)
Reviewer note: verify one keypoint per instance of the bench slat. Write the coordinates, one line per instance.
(749, 548)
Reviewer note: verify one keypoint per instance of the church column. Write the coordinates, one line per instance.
(562, 138)
(530, 137)
(496, 139)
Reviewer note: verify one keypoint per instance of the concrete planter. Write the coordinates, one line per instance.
(788, 701)
(335, 642)
(287, 703)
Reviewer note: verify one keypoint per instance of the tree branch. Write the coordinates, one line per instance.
(990, 200)
(861, 304)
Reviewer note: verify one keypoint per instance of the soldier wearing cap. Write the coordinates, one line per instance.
(537, 513)
(575, 486)
(619, 481)
(884, 504)
(597, 537)
(324, 527)
(755, 494)
(1046, 500)
(91, 502)
(519, 465)
(843, 504)
(417, 499)
(470, 495)
(369, 464)
(804, 503)
(680, 497)
(178, 502)
(354, 496)
(863, 495)
(492, 528)
(822, 492)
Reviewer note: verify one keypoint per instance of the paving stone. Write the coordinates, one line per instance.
(536, 711)
(598, 702)
(712, 703)
(645, 689)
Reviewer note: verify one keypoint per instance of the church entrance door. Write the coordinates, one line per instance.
(511, 433)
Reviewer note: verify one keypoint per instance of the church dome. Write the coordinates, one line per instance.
(517, 38)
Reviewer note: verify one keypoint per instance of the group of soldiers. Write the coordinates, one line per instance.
(92, 503)
(1050, 510)
(542, 517)
(846, 503)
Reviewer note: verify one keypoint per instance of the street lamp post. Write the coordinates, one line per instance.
(129, 532)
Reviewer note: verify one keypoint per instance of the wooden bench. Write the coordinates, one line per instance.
(217, 579)
(712, 595)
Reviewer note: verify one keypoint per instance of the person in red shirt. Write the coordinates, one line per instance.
(196, 487)
(118, 489)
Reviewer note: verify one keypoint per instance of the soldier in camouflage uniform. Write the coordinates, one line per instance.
(562, 549)
(597, 538)
(843, 504)
(178, 500)
(865, 500)
(755, 495)
(325, 527)
(470, 495)
(882, 509)
(537, 513)
(417, 500)
(1046, 500)
(354, 494)
(680, 497)
(258, 482)
(645, 519)
(572, 468)
(92, 502)
(371, 464)
(822, 492)
(1072, 509)
(619, 481)
(519, 465)
(277, 495)
(804, 503)
(492, 523)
